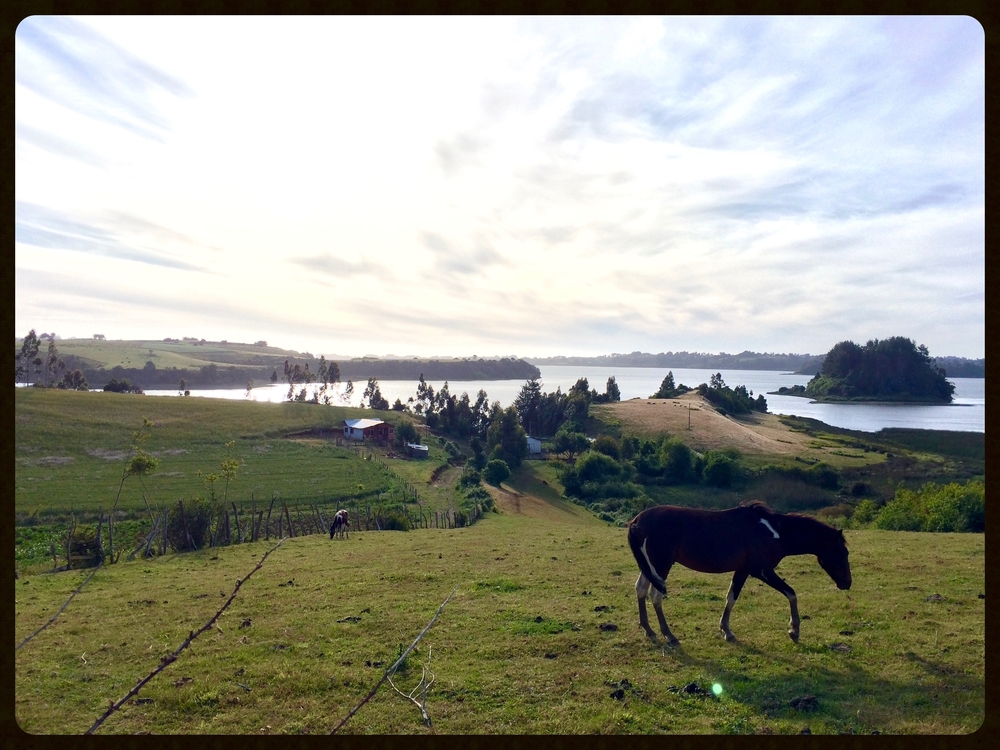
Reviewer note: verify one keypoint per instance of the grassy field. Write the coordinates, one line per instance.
(541, 637)
(70, 448)
(165, 354)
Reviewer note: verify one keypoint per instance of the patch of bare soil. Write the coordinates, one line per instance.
(708, 430)
(510, 500)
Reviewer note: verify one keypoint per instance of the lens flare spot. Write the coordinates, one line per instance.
(717, 689)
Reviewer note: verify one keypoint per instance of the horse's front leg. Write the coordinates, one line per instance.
(657, 598)
(739, 578)
(642, 588)
(773, 580)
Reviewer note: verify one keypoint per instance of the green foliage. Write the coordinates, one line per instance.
(608, 446)
(668, 389)
(470, 477)
(569, 441)
(393, 520)
(496, 471)
(719, 469)
(121, 386)
(506, 432)
(945, 508)
(731, 400)
(189, 524)
(406, 433)
(893, 369)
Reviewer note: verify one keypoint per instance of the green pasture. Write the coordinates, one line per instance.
(166, 354)
(70, 448)
(541, 636)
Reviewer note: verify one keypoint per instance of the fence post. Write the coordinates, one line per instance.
(267, 526)
(239, 531)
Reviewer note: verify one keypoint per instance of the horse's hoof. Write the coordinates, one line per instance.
(793, 635)
(673, 643)
(730, 637)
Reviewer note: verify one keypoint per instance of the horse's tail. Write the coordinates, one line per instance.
(637, 541)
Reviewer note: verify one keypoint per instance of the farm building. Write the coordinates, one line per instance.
(534, 446)
(417, 451)
(371, 430)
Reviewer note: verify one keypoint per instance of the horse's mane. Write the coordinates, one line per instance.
(762, 507)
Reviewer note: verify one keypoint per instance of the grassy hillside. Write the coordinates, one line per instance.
(70, 446)
(541, 637)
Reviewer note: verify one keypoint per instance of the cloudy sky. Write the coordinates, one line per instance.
(461, 186)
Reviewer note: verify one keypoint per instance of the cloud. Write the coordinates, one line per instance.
(452, 258)
(70, 64)
(58, 146)
(43, 227)
(333, 266)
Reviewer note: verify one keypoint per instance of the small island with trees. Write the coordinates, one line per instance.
(893, 369)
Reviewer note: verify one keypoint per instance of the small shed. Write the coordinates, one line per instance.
(416, 450)
(534, 446)
(371, 430)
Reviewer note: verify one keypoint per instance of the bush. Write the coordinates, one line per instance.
(952, 507)
(197, 517)
(719, 469)
(470, 477)
(394, 521)
(496, 471)
(608, 446)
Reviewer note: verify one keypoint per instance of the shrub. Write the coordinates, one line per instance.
(394, 521)
(952, 507)
(719, 469)
(197, 517)
(496, 471)
(608, 446)
(470, 477)
(677, 460)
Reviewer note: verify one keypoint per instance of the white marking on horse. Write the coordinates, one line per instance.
(650, 563)
(770, 528)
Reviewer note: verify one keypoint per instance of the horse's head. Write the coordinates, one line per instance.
(834, 561)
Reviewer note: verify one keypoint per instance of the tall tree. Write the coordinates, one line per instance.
(27, 359)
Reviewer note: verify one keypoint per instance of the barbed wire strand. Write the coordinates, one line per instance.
(171, 658)
(53, 618)
(389, 672)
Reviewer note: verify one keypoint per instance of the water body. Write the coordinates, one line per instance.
(966, 414)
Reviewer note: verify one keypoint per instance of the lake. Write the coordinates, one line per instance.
(966, 414)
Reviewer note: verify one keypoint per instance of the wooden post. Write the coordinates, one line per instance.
(267, 526)
(100, 522)
(187, 534)
(279, 526)
(165, 519)
(239, 531)
(288, 517)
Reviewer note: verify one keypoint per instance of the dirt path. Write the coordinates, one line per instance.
(709, 430)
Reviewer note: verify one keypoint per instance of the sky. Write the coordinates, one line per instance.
(442, 186)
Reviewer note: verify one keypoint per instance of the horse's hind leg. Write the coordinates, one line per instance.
(739, 578)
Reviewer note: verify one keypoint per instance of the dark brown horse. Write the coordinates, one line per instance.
(750, 540)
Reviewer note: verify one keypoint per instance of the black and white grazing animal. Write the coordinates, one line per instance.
(340, 523)
(749, 541)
